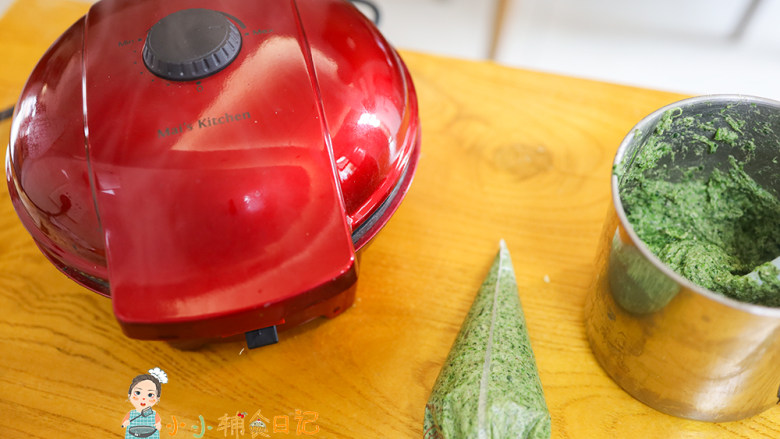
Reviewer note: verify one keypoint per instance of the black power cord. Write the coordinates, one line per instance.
(6, 114)
(370, 5)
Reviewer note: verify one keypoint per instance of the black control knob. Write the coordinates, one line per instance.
(191, 44)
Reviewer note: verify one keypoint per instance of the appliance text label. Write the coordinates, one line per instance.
(206, 122)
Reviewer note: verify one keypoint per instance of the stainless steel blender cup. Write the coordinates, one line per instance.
(677, 347)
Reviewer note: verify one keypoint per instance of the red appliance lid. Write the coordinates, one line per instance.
(213, 202)
(213, 164)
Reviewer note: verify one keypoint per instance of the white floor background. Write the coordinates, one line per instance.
(688, 46)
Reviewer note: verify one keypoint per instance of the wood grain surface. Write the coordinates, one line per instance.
(507, 153)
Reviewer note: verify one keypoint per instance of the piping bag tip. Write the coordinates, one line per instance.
(489, 385)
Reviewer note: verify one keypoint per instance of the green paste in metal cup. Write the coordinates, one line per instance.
(684, 313)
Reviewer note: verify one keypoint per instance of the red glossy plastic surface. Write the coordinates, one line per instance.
(213, 207)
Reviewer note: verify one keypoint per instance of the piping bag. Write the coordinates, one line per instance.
(489, 385)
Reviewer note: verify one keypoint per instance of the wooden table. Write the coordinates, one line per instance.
(507, 154)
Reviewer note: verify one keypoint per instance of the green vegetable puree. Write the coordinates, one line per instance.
(711, 225)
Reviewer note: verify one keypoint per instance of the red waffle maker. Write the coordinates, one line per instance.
(214, 165)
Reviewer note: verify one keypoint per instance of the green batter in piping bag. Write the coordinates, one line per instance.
(489, 386)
